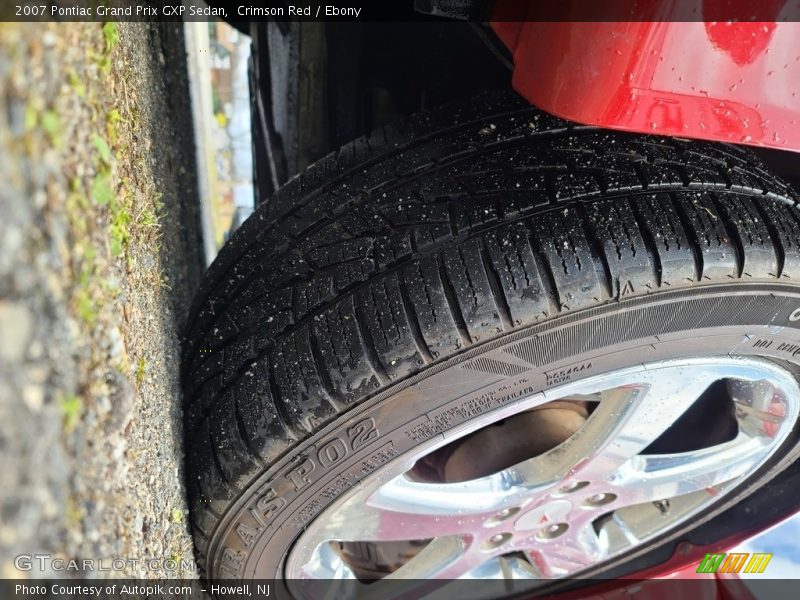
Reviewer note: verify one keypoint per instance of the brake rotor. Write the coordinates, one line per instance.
(513, 440)
(488, 450)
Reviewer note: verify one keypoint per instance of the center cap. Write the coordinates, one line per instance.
(544, 515)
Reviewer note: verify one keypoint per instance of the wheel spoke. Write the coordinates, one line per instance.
(627, 419)
(409, 510)
(444, 558)
(759, 410)
(659, 476)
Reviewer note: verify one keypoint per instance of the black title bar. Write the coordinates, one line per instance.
(400, 10)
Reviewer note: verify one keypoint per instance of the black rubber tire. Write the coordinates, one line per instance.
(422, 243)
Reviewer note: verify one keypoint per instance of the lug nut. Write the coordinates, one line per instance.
(497, 540)
(501, 516)
(600, 499)
(573, 487)
(552, 531)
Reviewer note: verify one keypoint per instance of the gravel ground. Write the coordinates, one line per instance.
(99, 255)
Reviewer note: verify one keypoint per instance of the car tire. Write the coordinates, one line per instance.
(450, 267)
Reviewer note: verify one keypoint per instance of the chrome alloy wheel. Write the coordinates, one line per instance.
(610, 487)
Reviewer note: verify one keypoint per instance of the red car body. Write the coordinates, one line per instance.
(722, 81)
